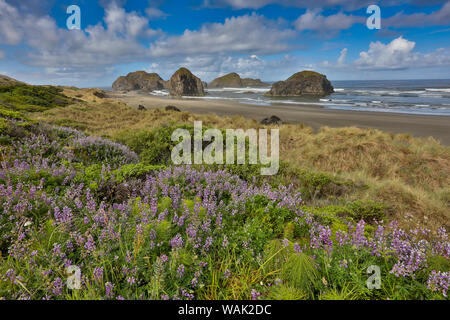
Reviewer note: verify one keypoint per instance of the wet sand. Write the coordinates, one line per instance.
(313, 116)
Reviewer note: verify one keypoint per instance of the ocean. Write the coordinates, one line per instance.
(425, 97)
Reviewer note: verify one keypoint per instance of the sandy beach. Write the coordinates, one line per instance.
(313, 116)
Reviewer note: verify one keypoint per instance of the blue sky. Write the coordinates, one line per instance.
(263, 39)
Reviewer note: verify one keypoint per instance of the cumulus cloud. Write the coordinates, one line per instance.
(398, 54)
(436, 18)
(243, 34)
(96, 46)
(327, 25)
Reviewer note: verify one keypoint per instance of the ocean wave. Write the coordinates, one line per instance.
(159, 93)
(438, 89)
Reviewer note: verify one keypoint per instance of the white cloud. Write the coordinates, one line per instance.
(342, 57)
(397, 55)
(244, 34)
(96, 46)
(327, 25)
(155, 13)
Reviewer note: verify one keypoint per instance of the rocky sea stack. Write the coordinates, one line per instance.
(233, 80)
(139, 80)
(184, 83)
(302, 83)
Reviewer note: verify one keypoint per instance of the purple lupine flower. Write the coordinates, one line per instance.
(439, 281)
(255, 294)
(176, 242)
(98, 273)
(57, 286)
(180, 271)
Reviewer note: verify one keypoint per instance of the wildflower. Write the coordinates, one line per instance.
(98, 273)
(57, 286)
(176, 242)
(255, 294)
(439, 281)
(180, 271)
(343, 264)
(109, 287)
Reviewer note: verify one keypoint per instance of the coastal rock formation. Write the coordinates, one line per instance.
(271, 120)
(302, 83)
(253, 83)
(99, 94)
(233, 80)
(184, 83)
(139, 80)
(172, 108)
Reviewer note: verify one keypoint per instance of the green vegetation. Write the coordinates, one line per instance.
(22, 97)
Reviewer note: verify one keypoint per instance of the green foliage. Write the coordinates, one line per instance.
(154, 146)
(285, 292)
(300, 272)
(366, 210)
(134, 171)
(28, 98)
(315, 185)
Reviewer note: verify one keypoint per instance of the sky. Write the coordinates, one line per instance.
(265, 39)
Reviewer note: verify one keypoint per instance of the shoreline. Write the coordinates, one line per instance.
(310, 115)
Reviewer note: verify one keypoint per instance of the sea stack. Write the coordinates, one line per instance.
(139, 80)
(302, 83)
(233, 80)
(184, 83)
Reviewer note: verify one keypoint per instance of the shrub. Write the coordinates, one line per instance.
(91, 150)
(315, 185)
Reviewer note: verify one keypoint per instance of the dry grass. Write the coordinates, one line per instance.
(411, 175)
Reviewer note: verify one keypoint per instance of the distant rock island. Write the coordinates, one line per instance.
(139, 80)
(302, 83)
(233, 80)
(184, 83)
